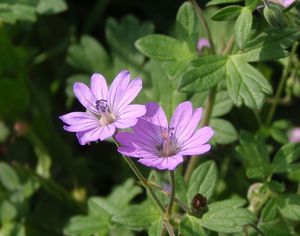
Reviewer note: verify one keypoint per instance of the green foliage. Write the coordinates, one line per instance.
(165, 48)
(246, 84)
(217, 2)
(204, 73)
(225, 133)
(12, 11)
(203, 181)
(227, 216)
(289, 206)
(255, 155)
(227, 13)
(190, 226)
(243, 27)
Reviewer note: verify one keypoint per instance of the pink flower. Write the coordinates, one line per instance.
(106, 109)
(284, 3)
(163, 146)
(202, 43)
(294, 135)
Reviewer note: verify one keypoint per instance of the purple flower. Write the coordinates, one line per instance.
(106, 109)
(284, 3)
(294, 135)
(202, 42)
(163, 146)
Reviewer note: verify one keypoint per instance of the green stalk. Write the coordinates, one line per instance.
(280, 88)
(172, 196)
(142, 179)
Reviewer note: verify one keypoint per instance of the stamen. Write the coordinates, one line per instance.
(168, 143)
(101, 105)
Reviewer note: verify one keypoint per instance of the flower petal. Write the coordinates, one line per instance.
(117, 90)
(132, 91)
(85, 97)
(163, 163)
(190, 127)
(135, 145)
(99, 133)
(79, 121)
(155, 115)
(99, 86)
(133, 111)
(182, 118)
(195, 144)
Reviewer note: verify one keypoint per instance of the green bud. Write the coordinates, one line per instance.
(274, 16)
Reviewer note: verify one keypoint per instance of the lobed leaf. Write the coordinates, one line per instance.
(217, 2)
(269, 45)
(243, 26)
(205, 73)
(246, 84)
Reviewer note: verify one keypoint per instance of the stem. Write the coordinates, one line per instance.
(172, 196)
(142, 179)
(280, 88)
(203, 22)
(257, 229)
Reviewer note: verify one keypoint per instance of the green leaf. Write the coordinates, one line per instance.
(86, 225)
(269, 45)
(227, 216)
(187, 24)
(217, 2)
(51, 6)
(223, 104)
(205, 73)
(227, 13)
(190, 226)
(163, 48)
(155, 228)
(88, 55)
(269, 212)
(13, 10)
(138, 217)
(254, 153)
(123, 194)
(243, 26)
(8, 212)
(8, 177)
(275, 228)
(246, 84)
(285, 157)
(289, 206)
(203, 180)
(181, 187)
(225, 133)
(117, 200)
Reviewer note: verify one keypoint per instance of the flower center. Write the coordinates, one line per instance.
(168, 143)
(105, 115)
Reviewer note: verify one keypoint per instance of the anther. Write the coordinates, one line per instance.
(101, 105)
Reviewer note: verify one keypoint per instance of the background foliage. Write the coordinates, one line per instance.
(50, 185)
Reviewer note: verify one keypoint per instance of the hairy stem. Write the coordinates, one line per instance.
(280, 88)
(142, 179)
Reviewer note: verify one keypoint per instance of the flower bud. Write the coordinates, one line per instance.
(202, 44)
(274, 16)
(294, 135)
(199, 205)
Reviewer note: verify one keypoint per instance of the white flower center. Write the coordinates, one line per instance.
(168, 146)
(105, 115)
